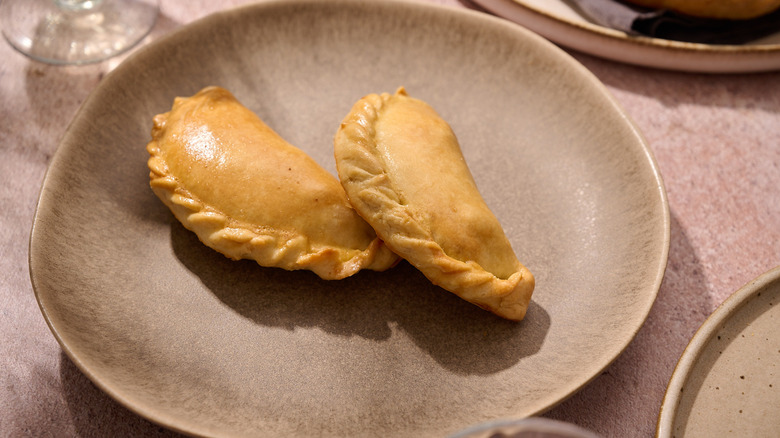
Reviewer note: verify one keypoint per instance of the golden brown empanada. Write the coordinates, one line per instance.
(249, 194)
(403, 171)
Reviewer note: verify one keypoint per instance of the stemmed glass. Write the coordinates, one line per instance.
(76, 31)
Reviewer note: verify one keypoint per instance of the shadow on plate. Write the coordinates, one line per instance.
(458, 335)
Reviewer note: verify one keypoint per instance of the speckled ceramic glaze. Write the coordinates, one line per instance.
(562, 23)
(201, 344)
(727, 382)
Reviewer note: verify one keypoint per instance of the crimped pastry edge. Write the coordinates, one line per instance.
(268, 246)
(371, 192)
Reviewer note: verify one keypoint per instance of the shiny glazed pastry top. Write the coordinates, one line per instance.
(403, 171)
(719, 9)
(249, 194)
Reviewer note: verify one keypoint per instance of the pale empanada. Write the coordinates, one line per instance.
(249, 194)
(403, 171)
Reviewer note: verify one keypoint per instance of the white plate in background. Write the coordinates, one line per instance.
(559, 22)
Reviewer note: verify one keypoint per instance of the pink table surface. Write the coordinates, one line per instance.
(716, 139)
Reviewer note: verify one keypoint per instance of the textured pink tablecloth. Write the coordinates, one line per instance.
(716, 139)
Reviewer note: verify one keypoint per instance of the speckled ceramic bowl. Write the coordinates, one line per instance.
(727, 382)
(201, 344)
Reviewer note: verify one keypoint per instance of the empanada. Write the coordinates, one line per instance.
(249, 194)
(403, 171)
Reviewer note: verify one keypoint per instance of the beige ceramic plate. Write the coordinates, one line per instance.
(563, 24)
(727, 382)
(198, 343)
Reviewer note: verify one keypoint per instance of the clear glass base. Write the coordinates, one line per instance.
(76, 31)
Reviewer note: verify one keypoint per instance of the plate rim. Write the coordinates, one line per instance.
(698, 344)
(175, 424)
(704, 58)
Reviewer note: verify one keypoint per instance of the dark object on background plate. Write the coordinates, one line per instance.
(671, 25)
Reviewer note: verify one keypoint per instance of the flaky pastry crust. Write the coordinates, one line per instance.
(249, 194)
(404, 173)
